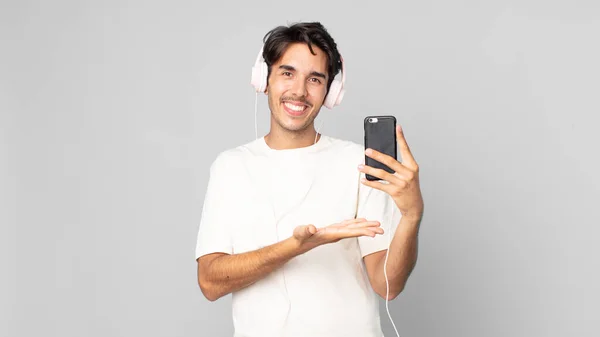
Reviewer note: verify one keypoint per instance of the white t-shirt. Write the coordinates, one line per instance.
(256, 196)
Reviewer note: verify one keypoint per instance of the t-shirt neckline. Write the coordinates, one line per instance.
(322, 142)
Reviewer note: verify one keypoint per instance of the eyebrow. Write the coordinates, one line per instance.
(313, 73)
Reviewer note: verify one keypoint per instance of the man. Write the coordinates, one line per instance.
(290, 227)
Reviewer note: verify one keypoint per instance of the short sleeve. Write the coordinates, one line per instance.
(376, 205)
(213, 232)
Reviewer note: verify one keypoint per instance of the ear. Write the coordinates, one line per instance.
(267, 86)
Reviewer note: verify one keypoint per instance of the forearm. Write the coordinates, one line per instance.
(402, 256)
(229, 273)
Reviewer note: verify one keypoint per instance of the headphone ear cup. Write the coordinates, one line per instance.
(259, 77)
(340, 96)
(263, 76)
(333, 97)
(256, 77)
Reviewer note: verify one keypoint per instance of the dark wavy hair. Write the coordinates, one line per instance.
(279, 38)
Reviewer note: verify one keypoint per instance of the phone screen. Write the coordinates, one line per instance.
(380, 135)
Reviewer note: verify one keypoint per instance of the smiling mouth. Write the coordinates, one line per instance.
(295, 109)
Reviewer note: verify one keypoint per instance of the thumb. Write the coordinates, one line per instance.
(310, 230)
(306, 231)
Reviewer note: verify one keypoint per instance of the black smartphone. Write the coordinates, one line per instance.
(380, 135)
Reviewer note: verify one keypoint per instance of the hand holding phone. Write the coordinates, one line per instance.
(380, 135)
(402, 177)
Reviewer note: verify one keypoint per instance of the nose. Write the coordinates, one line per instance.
(299, 87)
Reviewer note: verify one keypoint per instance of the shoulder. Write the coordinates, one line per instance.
(232, 157)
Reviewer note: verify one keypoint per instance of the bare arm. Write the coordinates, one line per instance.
(404, 188)
(220, 274)
(402, 259)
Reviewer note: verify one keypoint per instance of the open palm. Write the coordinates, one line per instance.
(310, 237)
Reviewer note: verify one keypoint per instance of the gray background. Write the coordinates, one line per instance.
(112, 111)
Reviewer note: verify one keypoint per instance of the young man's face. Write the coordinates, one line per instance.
(297, 87)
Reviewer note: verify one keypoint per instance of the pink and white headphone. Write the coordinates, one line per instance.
(259, 82)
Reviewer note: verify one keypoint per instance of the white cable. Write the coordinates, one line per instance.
(319, 128)
(255, 114)
(387, 283)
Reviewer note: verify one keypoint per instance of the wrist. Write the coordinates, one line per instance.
(294, 246)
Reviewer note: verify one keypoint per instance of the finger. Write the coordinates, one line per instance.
(372, 232)
(386, 159)
(307, 231)
(407, 158)
(368, 224)
(367, 233)
(348, 221)
(379, 185)
(355, 220)
(393, 178)
(344, 233)
(377, 230)
(334, 234)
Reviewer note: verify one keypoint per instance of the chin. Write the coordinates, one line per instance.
(293, 125)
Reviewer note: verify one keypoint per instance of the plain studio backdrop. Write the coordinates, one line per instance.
(113, 111)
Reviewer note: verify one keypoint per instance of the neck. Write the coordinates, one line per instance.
(280, 139)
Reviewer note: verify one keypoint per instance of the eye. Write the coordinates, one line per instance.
(315, 80)
(286, 73)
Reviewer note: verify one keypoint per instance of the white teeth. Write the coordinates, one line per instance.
(295, 107)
